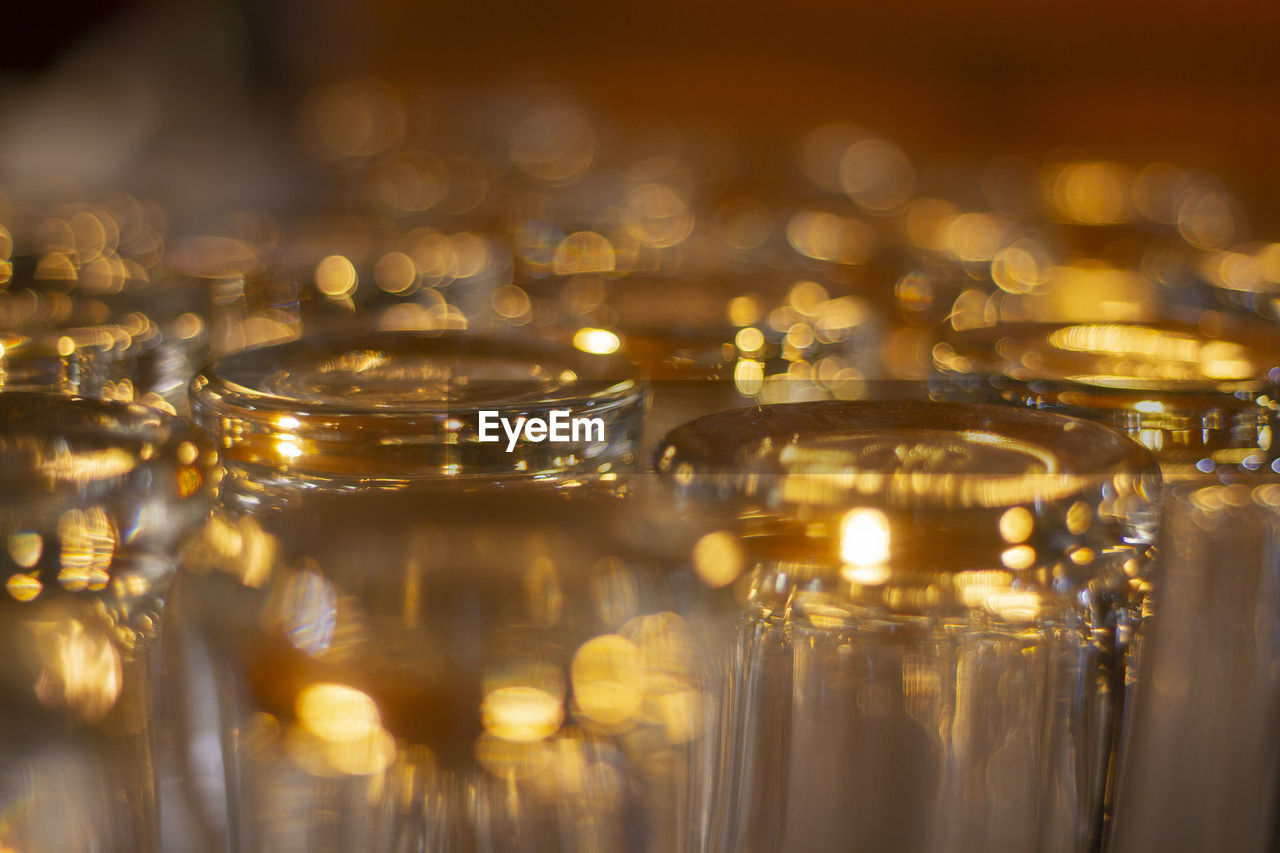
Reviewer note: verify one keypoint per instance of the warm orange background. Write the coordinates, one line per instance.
(1191, 81)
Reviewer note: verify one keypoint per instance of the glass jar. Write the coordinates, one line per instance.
(928, 656)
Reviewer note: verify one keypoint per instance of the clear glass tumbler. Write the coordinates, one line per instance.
(443, 668)
(716, 342)
(927, 657)
(1200, 753)
(93, 499)
(99, 361)
(1201, 396)
(104, 330)
(383, 411)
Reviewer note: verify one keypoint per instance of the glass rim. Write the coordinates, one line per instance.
(89, 442)
(1195, 425)
(888, 488)
(229, 381)
(1062, 454)
(425, 432)
(974, 353)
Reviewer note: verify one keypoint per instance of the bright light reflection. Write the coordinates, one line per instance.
(596, 341)
(864, 542)
(608, 679)
(522, 714)
(336, 712)
(718, 559)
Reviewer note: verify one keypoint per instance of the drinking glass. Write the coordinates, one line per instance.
(88, 310)
(90, 361)
(1201, 396)
(1199, 770)
(450, 668)
(1200, 756)
(243, 299)
(381, 411)
(711, 342)
(93, 498)
(927, 657)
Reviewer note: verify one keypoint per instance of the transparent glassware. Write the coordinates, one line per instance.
(86, 291)
(350, 273)
(1200, 396)
(93, 499)
(1200, 756)
(379, 411)
(98, 362)
(1075, 241)
(717, 342)
(1202, 752)
(442, 668)
(711, 342)
(1243, 278)
(927, 656)
(56, 337)
(385, 409)
(243, 298)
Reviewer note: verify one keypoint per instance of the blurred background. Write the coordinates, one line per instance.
(195, 103)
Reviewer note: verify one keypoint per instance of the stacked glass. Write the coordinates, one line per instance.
(928, 656)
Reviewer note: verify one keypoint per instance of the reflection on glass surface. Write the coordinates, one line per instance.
(1203, 398)
(930, 654)
(93, 498)
(438, 669)
(84, 288)
(388, 408)
(1203, 750)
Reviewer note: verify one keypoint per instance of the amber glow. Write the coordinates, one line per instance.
(596, 341)
(608, 680)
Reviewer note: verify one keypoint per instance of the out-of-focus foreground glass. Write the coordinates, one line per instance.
(1201, 753)
(56, 342)
(928, 656)
(93, 499)
(434, 669)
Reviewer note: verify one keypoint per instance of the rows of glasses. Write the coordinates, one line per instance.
(827, 257)
(865, 551)
(497, 661)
